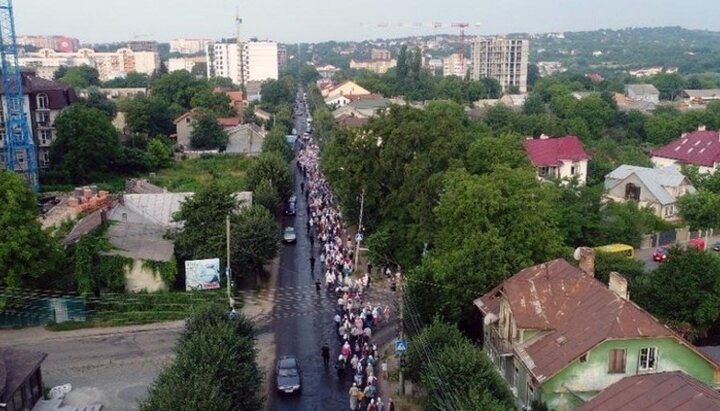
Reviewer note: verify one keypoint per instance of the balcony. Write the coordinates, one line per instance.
(502, 346)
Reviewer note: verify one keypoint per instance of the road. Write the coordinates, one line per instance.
(113, 367)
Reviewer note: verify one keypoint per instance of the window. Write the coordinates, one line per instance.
(516, 373)
(530, 395)
(648, 359)
(617, 361)
(583, 358)
(573, 170)
(632, 192)
(670, 210)
(42, 100)
(43, 117)
(45, 137)
(543, 171)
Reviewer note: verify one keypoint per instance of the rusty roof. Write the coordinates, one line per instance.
(575, 310)
(658, 392)
(16, 366)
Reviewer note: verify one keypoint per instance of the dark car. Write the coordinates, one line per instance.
(716, 246)
(291, 208)
(660, 255)
(288, 378)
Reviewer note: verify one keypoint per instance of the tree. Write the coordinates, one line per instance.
(437, 335)
(161, 152)
(700, 210)
(216, 365)
(98, 100)
(670, 85)
(633, 270)
(217, 103)
(207, 133)
(177, 87)
(267, 196)
(255, 239)
(79, 77)
(276, 142)
(132, 79)
(87, 144)
(149, 116)
(275, 92)
(402, 69)
(685, 290)
(28, 255)
(627, 223)
(662, 128)
(199, 70)
(271, 167)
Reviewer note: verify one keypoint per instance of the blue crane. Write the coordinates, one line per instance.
(20, 149)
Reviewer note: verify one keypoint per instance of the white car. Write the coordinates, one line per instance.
(289, 235)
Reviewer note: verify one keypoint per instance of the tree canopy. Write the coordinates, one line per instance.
(207, 133)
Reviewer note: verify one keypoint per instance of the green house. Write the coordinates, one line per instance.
(558, 335)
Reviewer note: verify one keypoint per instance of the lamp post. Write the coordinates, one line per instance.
(359, 236)
(232, 314)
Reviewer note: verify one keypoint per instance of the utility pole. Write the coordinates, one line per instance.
(227, 267)
(359, 230)
(241, 48)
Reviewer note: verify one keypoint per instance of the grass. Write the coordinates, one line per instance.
(191, 175)
(113, 310)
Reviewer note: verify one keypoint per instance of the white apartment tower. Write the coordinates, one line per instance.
(259, 61)
(505, 60)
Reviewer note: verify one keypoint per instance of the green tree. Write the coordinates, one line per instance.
(685, 290)
(271, 167)
(700, 210)
(255, 239)
(149, 116)
(98, 100)
(267, 196)
(627, 222)
(79, 77)
(87, 144)
(28, 255)
(276, 142)
(670, 85)
(132, 79)
(215, 363)
(161, 152)
(630, 268)
(662, 128)
(217, 103)
(207, 133)
(436, 336)
(178, 88)
(275, 92)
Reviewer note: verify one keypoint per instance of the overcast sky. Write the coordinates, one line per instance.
(290, 21)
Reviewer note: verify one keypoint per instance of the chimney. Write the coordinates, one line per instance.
(587, 260)
(702, 127)
(618, 284)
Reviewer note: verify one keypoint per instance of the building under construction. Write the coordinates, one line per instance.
(505, 60)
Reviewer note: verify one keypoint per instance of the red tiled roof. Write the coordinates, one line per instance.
(228, 121)
(356, 97)
(575, 311)
(667, 391)
(701, 148)
(347, 120)
(552, 151)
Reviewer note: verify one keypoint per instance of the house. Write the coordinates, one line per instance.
(184, 126)
(21, 383)
(370, 107)
(513, 100)
(642, 92)
(379, 66)
(341, 100)
(665, 391)
(699, 148)
(346, 87)
(347, 110)
(625, 103)
(245, 139)
(327, 71)
(700, 97)
(561, 158)
(261, 114)
(657, 188)
(253, 91)
(350, 121)
(558, 335)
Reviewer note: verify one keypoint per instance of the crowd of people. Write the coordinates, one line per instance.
(355, 318)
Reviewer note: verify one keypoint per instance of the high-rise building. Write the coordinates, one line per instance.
(57, 43)
(109, 64)
(282, 56)
(188, 46)
(505, 60)
(379, 54)
(143, 45)
(453, 65)
(259, 61)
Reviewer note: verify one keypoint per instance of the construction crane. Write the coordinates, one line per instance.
(462, 26)
(20, 150)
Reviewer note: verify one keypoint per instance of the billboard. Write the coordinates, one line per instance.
(202, 274)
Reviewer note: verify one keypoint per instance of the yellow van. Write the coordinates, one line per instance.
(624, 249)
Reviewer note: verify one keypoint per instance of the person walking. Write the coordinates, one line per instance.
(312, 263)
(380, 404)
(391, 405)
(353, 397)
(325, 352)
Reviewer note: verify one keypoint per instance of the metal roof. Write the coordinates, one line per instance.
(655, 179)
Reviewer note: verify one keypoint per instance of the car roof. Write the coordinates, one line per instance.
(289, 228)
(287, 362)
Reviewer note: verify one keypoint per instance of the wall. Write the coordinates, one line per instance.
(662, 162)
(581, 170)
(588, 378)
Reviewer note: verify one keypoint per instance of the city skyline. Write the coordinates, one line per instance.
(324, 20)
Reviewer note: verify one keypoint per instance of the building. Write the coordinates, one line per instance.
(327, 71)
(344, 88)
(505, 60)
(184, 127)
(282, 57)
(375, 66)
(46, 62)
(379, 54)
(548, 68)
(110, 65)
(454, 64)
(258, 62)
(665, 391)
(21, 383)
(657, 188)
(184, 63)
(699, 148)
(362, 108)
(700, 97)
(642, 92)
(340, 100)
(561, 158)
(44, 101)
(58, 43)
(560, 336)
(143, 45)
(188, 46)
(246, 139)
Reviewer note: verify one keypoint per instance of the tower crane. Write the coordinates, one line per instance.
(462, 26)
(20, 150)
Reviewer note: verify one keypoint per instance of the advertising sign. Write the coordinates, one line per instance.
(202, 274)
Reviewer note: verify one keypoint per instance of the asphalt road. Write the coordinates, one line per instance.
(112, 367)
(310, 324)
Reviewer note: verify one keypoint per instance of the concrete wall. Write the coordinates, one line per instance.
(587, 379)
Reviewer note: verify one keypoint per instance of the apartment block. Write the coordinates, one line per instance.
(282, 56)
(188, 46)
(454, 65)
(257, 62)
(57, 43)
(109, 64)
(184, 63)
(379, 54)
(505, 60)
(376, 66)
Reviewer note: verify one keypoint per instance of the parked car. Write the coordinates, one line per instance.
(288, 376)
(291, 206)
(716, 246)
(698, 243)
(660, 254)
(289, 235)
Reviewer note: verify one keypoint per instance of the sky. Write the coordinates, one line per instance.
(290, 21)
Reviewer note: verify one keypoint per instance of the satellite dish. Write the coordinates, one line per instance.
(576, 254)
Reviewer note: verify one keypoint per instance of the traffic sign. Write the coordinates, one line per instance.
(401, 346)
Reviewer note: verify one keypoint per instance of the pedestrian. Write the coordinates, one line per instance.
(312, 262)
(353, 397)
(302, 186)
(317, 284)
(384, 369)
(325, 352)
(380, 404)
(391, 405)
(373, 406)
(312, 241)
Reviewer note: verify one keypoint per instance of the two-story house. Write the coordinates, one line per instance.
(699, 148)
(562, 158)
(642, 92)
(560, 336)
(657, 188)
